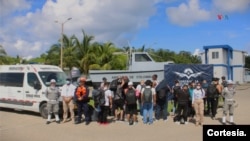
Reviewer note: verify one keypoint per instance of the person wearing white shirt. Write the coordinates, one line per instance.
(139, 88)
(198, 104)
(67, 94)
(107, 106)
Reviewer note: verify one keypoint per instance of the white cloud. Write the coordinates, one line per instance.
(107, 20)
(8, 6)
(232, 5)
(187, 14)
(196, 52)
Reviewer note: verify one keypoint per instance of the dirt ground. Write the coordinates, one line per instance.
(27, 126)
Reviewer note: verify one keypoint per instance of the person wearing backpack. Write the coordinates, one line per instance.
(119, 103)
(81, 96)
(213, 91)
(131, 107)
(162, 101)
(148, 99)
(182, 109)
(175, 89)
(198, 104)
(105, 104)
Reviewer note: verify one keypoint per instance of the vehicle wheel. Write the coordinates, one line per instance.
(44, 110)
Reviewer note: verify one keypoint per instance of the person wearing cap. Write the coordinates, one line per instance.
(81, 97)
(52, 93)
(131, 107)
(228, 93)
(67, 94)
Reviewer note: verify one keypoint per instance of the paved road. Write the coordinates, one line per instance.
(27, 126)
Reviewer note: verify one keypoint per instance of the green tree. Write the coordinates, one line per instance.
(247, 62)
(53, 55)
(83, 53)
(69, 54)
(106, 60)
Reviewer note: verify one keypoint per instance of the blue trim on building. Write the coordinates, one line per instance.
(227, 47)
(229, 51)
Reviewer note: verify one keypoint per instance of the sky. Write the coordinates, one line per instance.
(28, 27)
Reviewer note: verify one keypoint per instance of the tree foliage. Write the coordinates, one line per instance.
(247, 62)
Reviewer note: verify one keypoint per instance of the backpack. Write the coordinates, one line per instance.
(113, 85)
(130, 97)
(162, 94)
(147, 95)
(118, 94)
(96, 96)
(211, 91)
(101, 99)
(224, 84)
(175, 90)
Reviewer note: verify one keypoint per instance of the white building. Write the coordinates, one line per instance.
(227, 62)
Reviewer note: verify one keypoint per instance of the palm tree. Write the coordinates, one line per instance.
(69, 54)
(53, 55)
(3, 54)
(83, 53)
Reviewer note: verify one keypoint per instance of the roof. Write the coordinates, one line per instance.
(218, 46)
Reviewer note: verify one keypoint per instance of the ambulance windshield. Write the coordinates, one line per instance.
(60, 77)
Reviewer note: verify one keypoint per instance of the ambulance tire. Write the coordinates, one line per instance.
(44, 111)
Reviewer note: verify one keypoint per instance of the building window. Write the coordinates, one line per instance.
(215, 55)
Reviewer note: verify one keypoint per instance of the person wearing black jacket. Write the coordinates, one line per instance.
(162, 102)
(182, 108)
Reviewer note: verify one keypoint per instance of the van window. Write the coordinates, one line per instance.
(12, 79)
(32, 78)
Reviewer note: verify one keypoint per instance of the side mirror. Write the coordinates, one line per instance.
(37, 85)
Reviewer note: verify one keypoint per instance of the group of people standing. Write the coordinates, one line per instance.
(200, 98)
(146, 97)
(123, 100)
(71, 96)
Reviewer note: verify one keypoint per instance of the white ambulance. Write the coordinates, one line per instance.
(22, 87)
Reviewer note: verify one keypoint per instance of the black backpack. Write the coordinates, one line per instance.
(131, 97)
(224, 84)
(101, 98)
(118, 94)
(96, 96)
(162, 94)
(113, 85)
(175, 90)
(211, 91)
(147, 95)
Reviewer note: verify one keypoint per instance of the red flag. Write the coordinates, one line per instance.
(219, 16)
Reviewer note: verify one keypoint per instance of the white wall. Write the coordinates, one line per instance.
(238, 75)
(215, 61)
(238, 58)
(220, 71)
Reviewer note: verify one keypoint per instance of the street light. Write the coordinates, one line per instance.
(61, 57)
